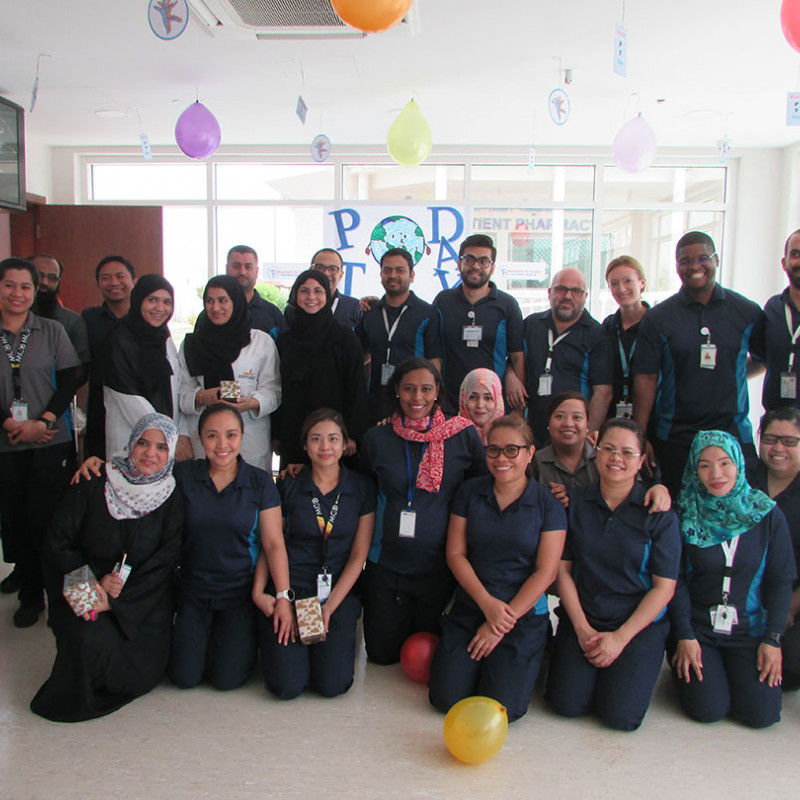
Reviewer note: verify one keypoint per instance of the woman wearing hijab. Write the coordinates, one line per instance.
(481, 399)
(224, 347)
(729, 611)
(140, 362)
(127, 527)
(322, 366)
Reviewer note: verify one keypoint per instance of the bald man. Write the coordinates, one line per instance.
(566, 349)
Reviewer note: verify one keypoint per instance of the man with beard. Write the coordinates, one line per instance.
(481, 326)
(566, 350)
(397, 327)
(49, 306)
(776, 338)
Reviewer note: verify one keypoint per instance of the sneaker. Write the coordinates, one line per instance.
(10, 584)
(27, 615)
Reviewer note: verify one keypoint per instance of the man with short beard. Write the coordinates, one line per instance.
(566, 350)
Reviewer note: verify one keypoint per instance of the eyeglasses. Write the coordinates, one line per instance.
(509, 451)
(576, 291)
(786, 441)
(626, 453)
(470, 260)
(703, 261)
(327, 268)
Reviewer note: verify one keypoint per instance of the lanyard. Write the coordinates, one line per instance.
(334, 304)
(390, 331)
(793, 335)
(625, 363)
(325, 528)
(729, 549)
(551, 343)
(412, 484)
(15, 358)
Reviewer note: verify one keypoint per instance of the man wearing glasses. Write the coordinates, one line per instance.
(691, 363)
(566, 350)
(481, 326)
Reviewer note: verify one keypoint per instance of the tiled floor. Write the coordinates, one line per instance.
(381, 740)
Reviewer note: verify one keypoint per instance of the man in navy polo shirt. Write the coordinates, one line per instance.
(397, 327)
(691, 363)
(776, 338)
(566, 350)
(481, 326)
(242, 264)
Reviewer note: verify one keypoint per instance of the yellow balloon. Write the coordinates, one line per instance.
(409, 140)
(371, 16)
(475, 729)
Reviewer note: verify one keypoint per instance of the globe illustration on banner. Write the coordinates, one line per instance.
(397, 232)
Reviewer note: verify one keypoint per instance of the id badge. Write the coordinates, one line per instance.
(19, 411)
(387, 370)
(472, 335)
(323, 586)
(788, 386)
(408, 519)
(708, 356)
(545, 385)
(723, 618)
(624, 410)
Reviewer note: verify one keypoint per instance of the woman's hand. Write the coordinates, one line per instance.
(265, 603)
(688, 657)
(585, 635)
(101, 605)
(113, 584)
(206, 397)
(657, 497)
(350, 447)
(292, 470)
(31, 431)
(245, 404)
(559, 491)
(327, 613)
(500, 617)
(604, 648)
(89, 467)
(284, 623)
(184, 450)
(770, 664)
(483, 642)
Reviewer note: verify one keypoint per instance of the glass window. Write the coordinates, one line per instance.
(664, 185)
(540, 186)
(426, 184)
(275, 181)
(147, 181)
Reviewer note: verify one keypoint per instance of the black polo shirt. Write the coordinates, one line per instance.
(266, 316)
(623, 344)
(418, 333)
(581, 360)
(501, 319)
(691, 398)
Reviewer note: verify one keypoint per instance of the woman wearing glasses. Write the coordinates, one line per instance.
(504, 542)
(616, 576)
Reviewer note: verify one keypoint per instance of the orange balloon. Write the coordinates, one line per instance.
(371, 16)
(475, 729)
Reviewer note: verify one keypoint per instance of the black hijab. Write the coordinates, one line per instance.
(211, 350)
(311, 330)
(151, 340)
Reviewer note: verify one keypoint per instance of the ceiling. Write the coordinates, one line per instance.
(481, 73)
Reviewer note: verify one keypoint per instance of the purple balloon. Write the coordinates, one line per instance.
(197, 132)
(634, 147)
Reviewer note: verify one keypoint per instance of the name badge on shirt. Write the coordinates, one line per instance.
(708, 356)
(19, 411)
(723, 618)
(545, 385)
(472, 335)
(408, 520)
(788, 386)
(323, 586)
(624, 410)
(387, 370)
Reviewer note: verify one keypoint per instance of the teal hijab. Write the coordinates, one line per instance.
(707, 520)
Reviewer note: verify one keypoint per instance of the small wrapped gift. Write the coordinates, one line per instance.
(309, 620)
(230, 390)
(80, 590)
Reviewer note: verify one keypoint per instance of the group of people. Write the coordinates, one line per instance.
(407, 490)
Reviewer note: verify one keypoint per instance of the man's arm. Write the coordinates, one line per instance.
(598, 405)
(515, 381)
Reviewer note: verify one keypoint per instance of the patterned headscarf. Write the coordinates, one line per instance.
(707, 520)
(129, 494)
(474, 381)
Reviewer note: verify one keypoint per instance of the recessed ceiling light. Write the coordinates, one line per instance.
(703, 113)
(107, 113)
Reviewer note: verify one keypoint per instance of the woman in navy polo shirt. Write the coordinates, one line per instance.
(232, 509)
(420, 459)
(330, 516)
(730, 611)
(504, 543)
(617, 574)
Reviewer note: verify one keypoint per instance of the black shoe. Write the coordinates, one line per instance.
(10, 584)
(26, 615)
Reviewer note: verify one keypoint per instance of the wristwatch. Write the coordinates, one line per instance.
(286, 594)
(49, 423)
(775, 639)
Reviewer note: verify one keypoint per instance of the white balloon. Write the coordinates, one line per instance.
(634, 148)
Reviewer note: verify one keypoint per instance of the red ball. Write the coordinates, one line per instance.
(416, 656)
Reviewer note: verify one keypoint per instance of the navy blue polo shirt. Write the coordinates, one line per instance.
(499, 315)
(266, 316)
(761, 584)
(581, 360)
(383, 454)
(418, 333)
(303, 538)
(222, 540)
(623, 340)
(502, 545)
(690, 398)
(772, 343)
(615, 554)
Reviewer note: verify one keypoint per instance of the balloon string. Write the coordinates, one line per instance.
(623, 13)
